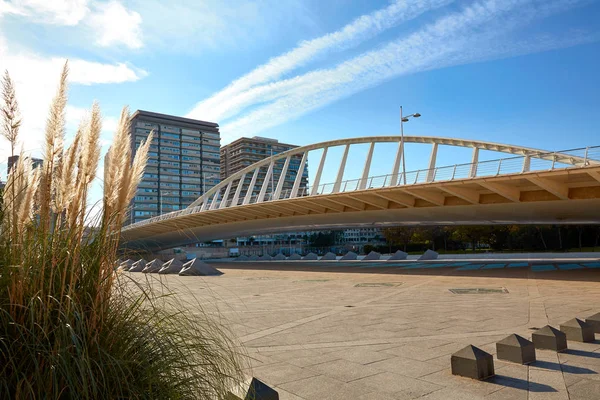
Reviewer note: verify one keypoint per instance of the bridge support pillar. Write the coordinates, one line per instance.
(299, 174)
(474, 162)
(432, 158)
(396, 168)
(340, 175)
(367, 168)
(238, 191)
(315, 186)
(251, 187)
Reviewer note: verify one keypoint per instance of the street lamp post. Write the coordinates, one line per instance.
(402, 121)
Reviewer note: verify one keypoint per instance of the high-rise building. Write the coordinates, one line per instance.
(246, 151)
(12, 160)
(183, 162)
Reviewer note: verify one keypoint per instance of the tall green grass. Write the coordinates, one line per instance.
(70, 326)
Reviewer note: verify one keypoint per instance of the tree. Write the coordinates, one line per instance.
(399, 235)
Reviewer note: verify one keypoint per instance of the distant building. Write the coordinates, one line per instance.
(12, 160)
(183, 162)
(246, 151)
(363, 235)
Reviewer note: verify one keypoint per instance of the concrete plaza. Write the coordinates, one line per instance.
(319, 331)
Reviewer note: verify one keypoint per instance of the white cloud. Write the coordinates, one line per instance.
(36, 79)
(56, 12)
(232, 100)
(195, 26)
(116, 25)
(457, 38)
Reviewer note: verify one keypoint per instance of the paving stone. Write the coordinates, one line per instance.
(344, 370)
(323, 387)
(549, 338)
(393, 383)
(577, 330)
(282, 372)
(472, 362)
(516, 348)
(585, 389)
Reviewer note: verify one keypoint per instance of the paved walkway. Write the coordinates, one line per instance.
(345, 332)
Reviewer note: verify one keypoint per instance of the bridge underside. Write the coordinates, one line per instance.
(570, 196)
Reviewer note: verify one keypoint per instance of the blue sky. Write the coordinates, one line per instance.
(513, 71)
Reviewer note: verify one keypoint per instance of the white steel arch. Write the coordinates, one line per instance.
(476, 145)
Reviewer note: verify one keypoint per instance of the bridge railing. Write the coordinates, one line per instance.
(543, 161)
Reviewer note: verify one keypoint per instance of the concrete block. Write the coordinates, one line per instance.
(265, 257)
(279, 257)
(242, 258)
(594, 321)
(153, 266)
(398, 255)
(329, 257)
(172, 266)
(472, 362)
(253, 257)
(295, 256)
(126, 265)
(348, 256)
(196, 267)
(578, 331)
(516, 348)
(372, 256)
(138, 266)
(311, 257)
(549, 338)
(429, 255)
(253, 389)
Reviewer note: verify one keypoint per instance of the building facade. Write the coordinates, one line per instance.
(246, 151)
(183, 162)
(12, 160)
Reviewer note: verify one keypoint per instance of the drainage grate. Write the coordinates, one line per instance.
(479, 290)
(383, 284)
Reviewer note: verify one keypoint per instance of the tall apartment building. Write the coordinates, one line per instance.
(12, 160)
(246, 151)
(183, 162)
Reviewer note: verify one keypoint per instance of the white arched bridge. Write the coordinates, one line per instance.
(525, 186)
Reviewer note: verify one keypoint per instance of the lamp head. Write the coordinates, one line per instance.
(404, 119)
(416, 115)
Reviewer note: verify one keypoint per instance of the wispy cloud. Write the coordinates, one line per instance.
(234, 97)
(116, 25)
(457, 38)
(36, 79)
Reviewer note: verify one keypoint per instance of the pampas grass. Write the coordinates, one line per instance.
(70, 326)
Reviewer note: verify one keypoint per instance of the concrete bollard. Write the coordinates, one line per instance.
(516, 349)
(549, 338)
(594, 321)
(578, 331)
(253, 389)
(472, 362)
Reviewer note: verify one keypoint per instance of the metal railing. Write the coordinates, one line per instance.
(544, 161)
